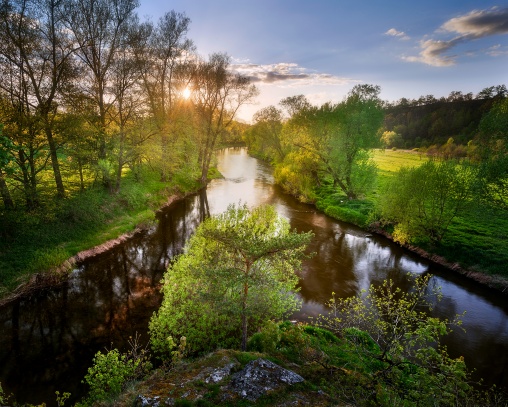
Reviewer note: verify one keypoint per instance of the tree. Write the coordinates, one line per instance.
(37, 50)
(391, 139)
(264, 137)
(493, 150)
(238, 270)
(398, 341)
(217, 94)
(340, 136)
(98, 29)
(5, 158)
(422, 201)
(161, 53)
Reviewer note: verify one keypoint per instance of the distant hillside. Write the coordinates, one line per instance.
(429, 121)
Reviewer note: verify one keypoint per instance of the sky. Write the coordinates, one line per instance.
(322, 48)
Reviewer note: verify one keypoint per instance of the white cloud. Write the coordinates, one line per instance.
(479, 23)
(398, 34)
(474, 25)
(497, 51)
(287, 74)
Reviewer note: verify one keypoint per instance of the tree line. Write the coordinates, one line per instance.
(329, 147)
(428, 121)
(88, 89)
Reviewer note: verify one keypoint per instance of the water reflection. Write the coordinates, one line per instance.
(47, 341)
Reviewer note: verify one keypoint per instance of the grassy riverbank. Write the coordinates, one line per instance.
(43, 239)
(477, 239)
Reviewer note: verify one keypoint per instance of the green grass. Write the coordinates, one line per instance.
(43, 239)
(477, 240)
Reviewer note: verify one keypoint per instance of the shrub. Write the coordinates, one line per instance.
(112, 370)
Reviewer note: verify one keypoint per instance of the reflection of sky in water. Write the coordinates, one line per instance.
(348, 262)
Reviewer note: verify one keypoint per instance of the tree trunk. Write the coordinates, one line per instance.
(244, 317)
(4, 192)
(55, 164)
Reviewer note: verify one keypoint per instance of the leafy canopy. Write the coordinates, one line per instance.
(238, 271)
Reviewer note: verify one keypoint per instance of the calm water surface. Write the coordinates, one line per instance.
(47, 341)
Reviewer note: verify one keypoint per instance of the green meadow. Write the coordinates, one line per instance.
(477, 239)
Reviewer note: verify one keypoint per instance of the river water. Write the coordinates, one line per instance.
(47, 340)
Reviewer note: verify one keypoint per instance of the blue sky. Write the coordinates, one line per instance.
(322, 48)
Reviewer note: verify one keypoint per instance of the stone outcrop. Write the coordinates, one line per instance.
(256, 379)
(260, 377)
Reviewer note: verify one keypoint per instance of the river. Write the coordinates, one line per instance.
(47, 340)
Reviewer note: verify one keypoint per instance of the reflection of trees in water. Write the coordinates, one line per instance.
(47, 341)
(346, 264)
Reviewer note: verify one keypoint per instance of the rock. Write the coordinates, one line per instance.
(260, 377)
(143, 401)
(220, 373)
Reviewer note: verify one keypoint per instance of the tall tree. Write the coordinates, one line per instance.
(5, 157)
(217, 94)
(98, 29)
(264, 137)
(127, 98)
(338, 137)
(36, 47)
(236, 273)
(161, 52)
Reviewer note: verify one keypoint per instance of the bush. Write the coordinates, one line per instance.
(112, 370)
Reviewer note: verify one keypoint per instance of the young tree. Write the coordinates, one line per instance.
(422, 201)
(393, 334)
(238, 270)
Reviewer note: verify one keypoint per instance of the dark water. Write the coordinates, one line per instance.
(47, 341)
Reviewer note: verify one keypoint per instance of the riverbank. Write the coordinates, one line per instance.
(41, 246)
(56, 275)
(452, 254)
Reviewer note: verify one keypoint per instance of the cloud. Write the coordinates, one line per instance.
(479, 23)
(433, 53)
(398, 34)
(497, 51)
(287, 74)
(474, 25)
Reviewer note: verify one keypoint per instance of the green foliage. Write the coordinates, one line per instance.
(335, 139)
(3, 397)
(398, 345)
(112, 370)
(237, 272)
(422, 201)
(76, 223)
(266, 340)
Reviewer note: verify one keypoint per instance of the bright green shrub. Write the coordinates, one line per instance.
(111, 371)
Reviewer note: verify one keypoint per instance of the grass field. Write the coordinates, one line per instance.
(43, 239)
(477, 239)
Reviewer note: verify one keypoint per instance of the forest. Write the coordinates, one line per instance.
(99, 109)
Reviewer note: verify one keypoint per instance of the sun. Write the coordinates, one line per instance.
(186, 94)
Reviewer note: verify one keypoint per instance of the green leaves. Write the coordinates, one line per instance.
(237, 272)
(422, 201)
(398, 342)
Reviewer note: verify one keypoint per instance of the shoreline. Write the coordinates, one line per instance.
(494, 282)
(55, 277)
